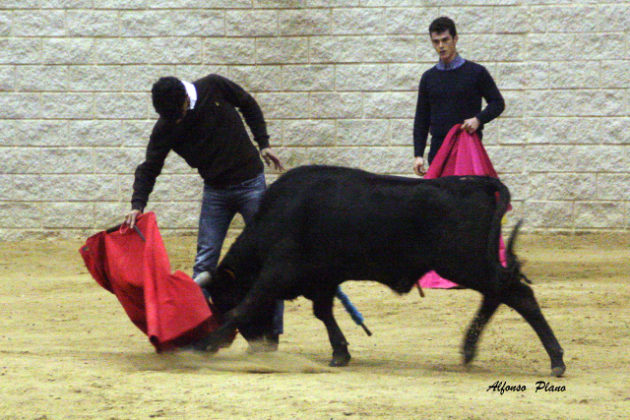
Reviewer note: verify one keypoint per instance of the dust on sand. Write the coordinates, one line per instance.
(67, 350)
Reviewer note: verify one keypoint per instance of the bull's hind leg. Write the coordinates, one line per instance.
(521, 297)
(488, 307)
(323, 310)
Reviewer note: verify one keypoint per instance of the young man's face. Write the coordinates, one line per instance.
(444, 44)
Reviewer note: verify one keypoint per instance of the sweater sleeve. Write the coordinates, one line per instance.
(147, 172)
(490, 92)
(422, 119)
(238, 97)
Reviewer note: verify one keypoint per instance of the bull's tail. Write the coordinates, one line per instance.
(502, 202)
(513, 267)
(512, 271)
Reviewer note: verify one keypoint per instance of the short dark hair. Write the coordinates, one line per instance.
(442, 24)
(169, 95)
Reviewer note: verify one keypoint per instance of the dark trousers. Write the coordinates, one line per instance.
(436, 142)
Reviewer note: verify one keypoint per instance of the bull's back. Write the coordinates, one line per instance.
(349, 217)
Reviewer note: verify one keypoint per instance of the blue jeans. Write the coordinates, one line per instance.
(218, 208)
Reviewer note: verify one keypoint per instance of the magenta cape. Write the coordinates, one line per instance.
(461, 153)
(168, 307)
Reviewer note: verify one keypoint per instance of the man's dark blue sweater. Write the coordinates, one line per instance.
(448, 97)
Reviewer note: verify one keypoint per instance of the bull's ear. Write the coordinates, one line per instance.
(203, 279)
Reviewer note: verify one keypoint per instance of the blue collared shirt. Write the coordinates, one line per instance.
(457, 62)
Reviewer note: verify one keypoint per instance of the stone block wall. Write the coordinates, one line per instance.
(337, 81)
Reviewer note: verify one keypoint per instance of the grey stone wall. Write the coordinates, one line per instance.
(337, 82)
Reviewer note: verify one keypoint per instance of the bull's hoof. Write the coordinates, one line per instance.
(204, 346)
(197, 349)
(557, 364)
(339, 360)
(558, 370)
(211, 343)
(469, 355)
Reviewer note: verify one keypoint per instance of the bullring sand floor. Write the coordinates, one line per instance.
(67, 350)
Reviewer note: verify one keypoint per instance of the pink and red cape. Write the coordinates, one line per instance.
(461, 153)
(168, 307)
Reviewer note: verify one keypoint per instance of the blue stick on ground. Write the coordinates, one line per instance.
(352, 310)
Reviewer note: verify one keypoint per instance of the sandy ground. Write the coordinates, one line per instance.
(67, 350)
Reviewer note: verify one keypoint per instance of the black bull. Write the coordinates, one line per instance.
(318, 226)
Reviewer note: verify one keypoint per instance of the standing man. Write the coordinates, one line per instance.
(450, 93)
(200, 122)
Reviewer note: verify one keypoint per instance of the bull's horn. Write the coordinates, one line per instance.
(203, 279)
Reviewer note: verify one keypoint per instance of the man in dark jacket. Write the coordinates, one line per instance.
(200, 122)
(450, 93)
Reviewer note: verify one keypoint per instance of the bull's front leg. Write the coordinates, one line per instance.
(242, 315)
(488, 307)
(221, 337)
(323, 310)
